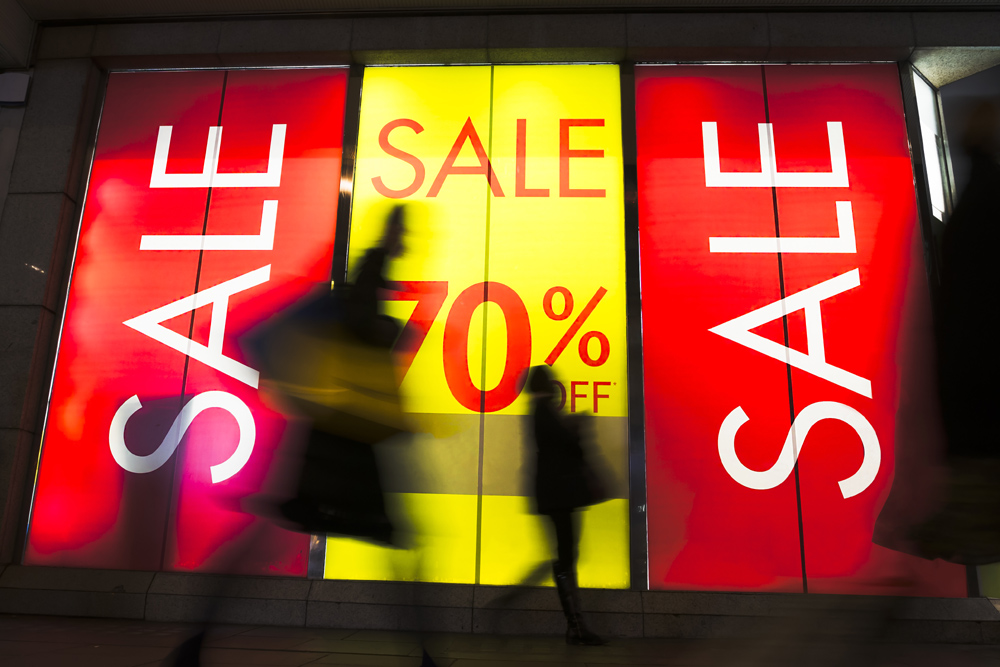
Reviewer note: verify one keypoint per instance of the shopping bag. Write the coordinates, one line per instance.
(312, 360)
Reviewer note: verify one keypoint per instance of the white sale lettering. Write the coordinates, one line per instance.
(150, 323)
(211, 354)
(198, 404)
(768, 176)
(794, 441)
(844, 242)
(209, 176)
(739, 329)
(262, 241)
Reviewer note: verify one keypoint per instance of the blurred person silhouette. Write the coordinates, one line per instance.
(945, 496)
(328, 360)
(960, 522)
(564, 482)
(335, 365)
(364, 316)
(967, 529)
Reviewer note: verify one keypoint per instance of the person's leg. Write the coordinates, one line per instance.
(566, 547)
(564, 569)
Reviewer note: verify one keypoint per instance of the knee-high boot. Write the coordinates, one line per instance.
(576, 630)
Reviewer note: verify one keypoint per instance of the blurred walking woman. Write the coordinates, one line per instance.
(564, 483)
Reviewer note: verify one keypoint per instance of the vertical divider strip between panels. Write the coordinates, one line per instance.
(341, 244)
(638, 543)
(912, 119)
(352, 121)
(788, 367)
(482, 380)
(171, 508)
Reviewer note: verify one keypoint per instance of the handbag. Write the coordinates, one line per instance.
(591, 462)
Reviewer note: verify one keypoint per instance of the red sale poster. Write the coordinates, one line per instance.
(211, 205)
(779, 239)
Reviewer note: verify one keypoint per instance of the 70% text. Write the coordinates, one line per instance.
(430, 297)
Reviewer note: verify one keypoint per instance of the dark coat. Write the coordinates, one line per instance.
(362, 302)
(970, 282)
(561, 473)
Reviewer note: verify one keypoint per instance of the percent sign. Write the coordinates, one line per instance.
(584, 349)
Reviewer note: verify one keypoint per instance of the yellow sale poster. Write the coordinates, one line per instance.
(511, 177)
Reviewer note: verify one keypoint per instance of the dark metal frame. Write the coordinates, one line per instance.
(924, 214)
(338, 271)
(638, 546)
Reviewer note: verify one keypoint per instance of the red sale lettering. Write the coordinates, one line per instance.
(573, 395)
(532, 274)
(430, 296)
(468, 133)
(412, 160)
(603, 347)
(550, 309)
(562, 393)
(565, 153)
(456, 347)
(575, 326)
(520, 189)
(599, 395)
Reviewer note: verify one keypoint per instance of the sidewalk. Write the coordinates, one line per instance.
(40, 641)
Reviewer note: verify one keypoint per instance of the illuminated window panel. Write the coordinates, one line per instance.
(783, 284)
(212, 183)
(513, 178)
(556, 240)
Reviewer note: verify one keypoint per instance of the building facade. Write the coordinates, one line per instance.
(715, 224)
